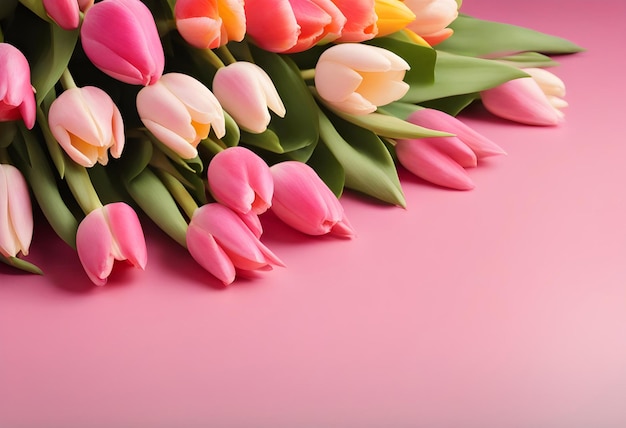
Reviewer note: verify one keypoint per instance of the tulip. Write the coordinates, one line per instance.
(534, 100)
(432, 18)
(289, 26)
(208, 24)
(17, 98)
(120, 37)
(303, 201)
(241, 180)
(245, 91)
(179, 110)
(222, 243)
(360, 20)
(356, 78)
(110, 233)
(16, 216)
(87, 123)
(393, 15)
(442, 160)
(66, 13)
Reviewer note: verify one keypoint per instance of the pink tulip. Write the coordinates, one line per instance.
(289, 26)
(534, 100)
(120, 37)
(87, 124)
(245, 91)
(442, 160)
(222, 243)
(66, 13)
(360, 20)
(110, 233)
(17, 98)
(356, 78)
(432, 18)
(303, 201)
(179, 111)
(241, 180)
(16, 216)
(208, 24)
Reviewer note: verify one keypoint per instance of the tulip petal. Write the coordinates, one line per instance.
(93, 244)
(206, 251)
(127, 233)
(335, 82)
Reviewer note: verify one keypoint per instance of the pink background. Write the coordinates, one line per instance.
(500, 307)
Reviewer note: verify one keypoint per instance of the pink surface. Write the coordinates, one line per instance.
(500, 307)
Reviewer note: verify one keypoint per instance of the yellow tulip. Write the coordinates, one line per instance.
(393, 15)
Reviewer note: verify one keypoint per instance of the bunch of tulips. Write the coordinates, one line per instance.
(201, 115)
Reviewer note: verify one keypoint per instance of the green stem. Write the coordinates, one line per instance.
(308, 74)
(67, 81)
(213, 146)
(212, 58)
(179, 192)
(81, 187)
(51, 143)
(226, 55)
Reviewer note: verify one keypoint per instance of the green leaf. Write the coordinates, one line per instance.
(266, 140)
(452, 105)
(328, 168)
(299, 127)
(21, 264)
(368, 166)
(529, 59)
(35, 6)
(476, 37)
(7, 133)
(6, 8)
(457, 75)
(421, 59)
(233, 134)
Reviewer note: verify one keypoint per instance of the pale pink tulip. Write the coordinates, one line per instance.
(356, 78)
(534, 100)
(432, 18)
(360, 20)
(17, 98)
(87, 124)
(16, 216)
(246, 92)
(241, 180)
(288, 26)
(208, 24)
(442, 160)
(222, 243)
(180, 111)
(110, 233)
(303, 201)
(66, 13)
(120, 37)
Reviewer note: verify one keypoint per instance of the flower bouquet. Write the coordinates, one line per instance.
(201, 115)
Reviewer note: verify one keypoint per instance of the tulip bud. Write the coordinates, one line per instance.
(295, 25)
(534, 100)
(120, 37)
(356, 78)
(432, 18)
(241, 180)
(110, 233)
(179, 110)
(87, 123)
(303, 201)
(208, 24)
(66, 13)
(16, 216)
(393, 15)
(17, 98)
(219, 240)
(360, 20)
(245, 91)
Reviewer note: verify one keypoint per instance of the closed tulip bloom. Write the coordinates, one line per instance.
(241, 180)
(219, 240)
(393, 15)
(289, 26)
(87, 124)
(303, 201)
(356, 78)
(17, 98)
(208, 24)
(66, 13)
(180, 111)
(110, 233)
(246, 92)
(534, 100)
(16, 216)
(432, 18)
(120, 37)
(360, 20)
(442, 160)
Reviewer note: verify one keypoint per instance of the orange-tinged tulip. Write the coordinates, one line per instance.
(360, 20)
(87, 124)
(208, 24)
(16, 216)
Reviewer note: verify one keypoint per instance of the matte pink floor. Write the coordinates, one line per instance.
(500, 307)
